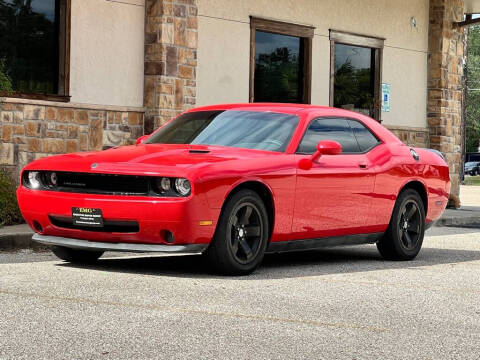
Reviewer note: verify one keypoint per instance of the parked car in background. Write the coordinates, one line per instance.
(237, 181)
(472, 168)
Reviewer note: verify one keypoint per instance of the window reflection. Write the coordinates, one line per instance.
(29, 47)
(354, 79)
(278, 68)
(329, 129)
(242, 129)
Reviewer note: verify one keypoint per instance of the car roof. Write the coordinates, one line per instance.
(277, 107)
(296, 109)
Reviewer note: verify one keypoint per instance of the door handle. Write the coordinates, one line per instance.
(363, 166)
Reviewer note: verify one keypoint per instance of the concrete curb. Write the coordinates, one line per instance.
(466, 216)
(18, 241)
(473, 222)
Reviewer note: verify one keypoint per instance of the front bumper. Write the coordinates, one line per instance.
(180, 216)
(122, 247)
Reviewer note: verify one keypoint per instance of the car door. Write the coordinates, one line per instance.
(334, 197)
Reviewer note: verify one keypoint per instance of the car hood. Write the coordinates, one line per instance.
(147, 159)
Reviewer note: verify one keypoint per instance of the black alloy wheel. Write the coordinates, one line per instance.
(409, 224)
(241, 237)
(404, 236)
(246, 231)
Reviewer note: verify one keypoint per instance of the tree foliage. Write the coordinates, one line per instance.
(473, 91)
(9, 211)
(353, 86)
(277, 76)
(5, 83)
(28, 47)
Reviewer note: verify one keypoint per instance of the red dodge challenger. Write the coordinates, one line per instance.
(237, 181)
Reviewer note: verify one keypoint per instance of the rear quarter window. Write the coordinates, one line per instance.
(366, 140)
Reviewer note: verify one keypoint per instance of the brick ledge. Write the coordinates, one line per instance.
(72, 105)
(406, 128)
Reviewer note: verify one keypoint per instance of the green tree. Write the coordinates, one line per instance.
(28, 45)
(277, 76)
(5, 83)
(473, 91)
(353, 86)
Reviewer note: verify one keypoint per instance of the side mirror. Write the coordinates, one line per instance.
(325, 147)
(142, 139)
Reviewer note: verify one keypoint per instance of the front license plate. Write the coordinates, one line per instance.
(87, 217)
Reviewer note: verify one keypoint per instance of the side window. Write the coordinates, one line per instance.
(329, 129)
(366, 140)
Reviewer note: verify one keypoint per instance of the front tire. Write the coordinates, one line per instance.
(404, 237)
(77, 256)
(241, 237)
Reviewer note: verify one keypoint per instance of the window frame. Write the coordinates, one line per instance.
(63, 61)
(379, 141)
(375, 43)
(305, 32)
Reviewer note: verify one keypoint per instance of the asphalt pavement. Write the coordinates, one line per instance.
(343, 303)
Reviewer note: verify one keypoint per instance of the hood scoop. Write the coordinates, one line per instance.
(198, 151)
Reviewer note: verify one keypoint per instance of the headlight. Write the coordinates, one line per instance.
(52, 179)
(182, 186)
(164, 184)
(34, 179)
(171, 187)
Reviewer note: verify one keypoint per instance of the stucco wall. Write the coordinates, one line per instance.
(224, 47)
(472, 6)
(107, 52)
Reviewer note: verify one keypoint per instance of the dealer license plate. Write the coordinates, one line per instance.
(87, 217)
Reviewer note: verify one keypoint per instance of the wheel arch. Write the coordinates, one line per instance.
(420, 188)
(265, 193)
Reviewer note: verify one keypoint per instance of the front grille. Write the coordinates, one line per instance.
(97, 183)
(108, 225)
(103, 183)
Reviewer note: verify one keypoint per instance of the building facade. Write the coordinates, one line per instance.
(116, 69)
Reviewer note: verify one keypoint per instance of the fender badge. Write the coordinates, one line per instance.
(94, 165)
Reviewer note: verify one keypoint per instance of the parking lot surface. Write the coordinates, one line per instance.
(343, 303)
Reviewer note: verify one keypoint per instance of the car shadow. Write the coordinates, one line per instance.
(279, 266)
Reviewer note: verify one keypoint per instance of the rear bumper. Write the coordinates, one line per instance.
(123, 247)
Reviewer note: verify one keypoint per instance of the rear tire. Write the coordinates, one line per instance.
(241, 237)
(404, 236)
(77, 256)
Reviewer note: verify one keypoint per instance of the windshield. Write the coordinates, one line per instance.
(242, 129)
(470, 164)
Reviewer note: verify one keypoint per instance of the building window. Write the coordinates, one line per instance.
(34, 48)
(355, 73)
(280, 62)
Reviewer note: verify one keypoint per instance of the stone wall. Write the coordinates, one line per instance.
(445, 83)
(33, 129)
(415, 137)
(170, 59)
